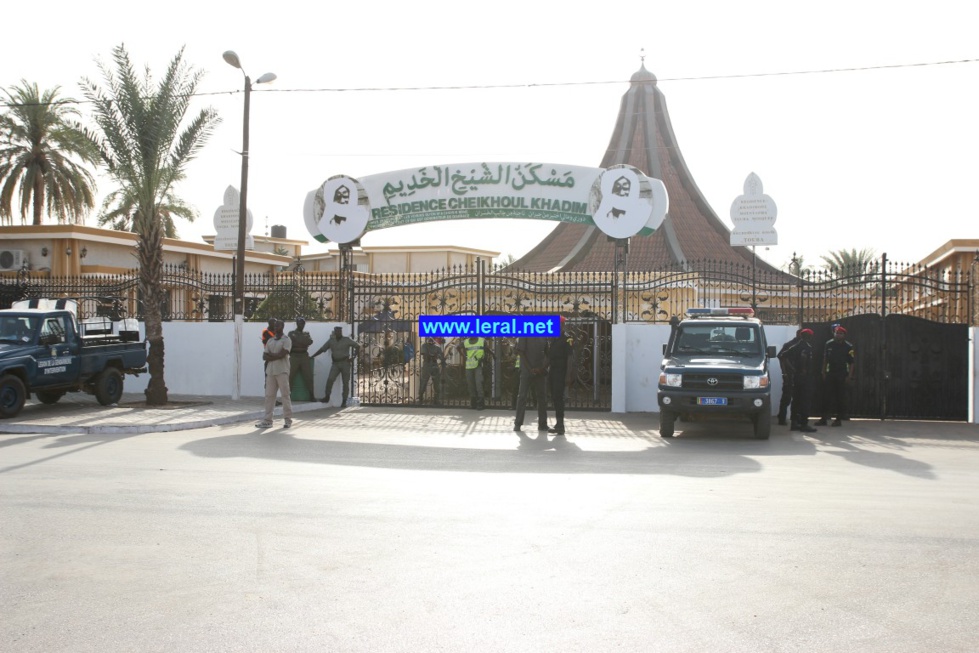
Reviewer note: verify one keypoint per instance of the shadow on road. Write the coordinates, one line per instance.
(700, 450)
(540, 454)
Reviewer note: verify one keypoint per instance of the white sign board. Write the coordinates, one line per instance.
(226, 223)
(753, 215)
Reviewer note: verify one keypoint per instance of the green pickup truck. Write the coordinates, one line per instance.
(44, 351)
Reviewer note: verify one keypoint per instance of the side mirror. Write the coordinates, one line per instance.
(770, 351)
(664, 349)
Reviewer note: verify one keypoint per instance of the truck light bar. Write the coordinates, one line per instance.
(745, 312)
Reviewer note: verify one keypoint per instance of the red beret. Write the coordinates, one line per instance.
(840, 329)
(806, 332)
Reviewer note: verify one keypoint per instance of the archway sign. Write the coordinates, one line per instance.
(620, 200)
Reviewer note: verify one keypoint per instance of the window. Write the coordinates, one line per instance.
(53, 330)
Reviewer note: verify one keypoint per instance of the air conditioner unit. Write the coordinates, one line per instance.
(12, 259)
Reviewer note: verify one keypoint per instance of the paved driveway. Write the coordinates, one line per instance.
(374, 530)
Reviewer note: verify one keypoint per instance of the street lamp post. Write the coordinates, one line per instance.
(239, 298)
(239, 290)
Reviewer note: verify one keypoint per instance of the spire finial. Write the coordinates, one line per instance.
(642, 56)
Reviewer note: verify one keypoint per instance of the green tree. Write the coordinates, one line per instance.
(119, 207)
(286, 302)
(852, 263)
(43, 156)
(146, 143)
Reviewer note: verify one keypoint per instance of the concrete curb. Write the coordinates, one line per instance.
(135, 429)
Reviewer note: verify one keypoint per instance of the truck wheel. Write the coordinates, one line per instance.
(49, 396)
(108, 387)
(666, 419)
(763, 425)
(13, 394)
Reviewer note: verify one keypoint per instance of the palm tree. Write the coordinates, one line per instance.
(852, 263)
(146, 146)
(119, 207)
(43, 153)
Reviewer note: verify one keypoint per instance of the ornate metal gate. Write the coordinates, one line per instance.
(387, 308)
(906, 367)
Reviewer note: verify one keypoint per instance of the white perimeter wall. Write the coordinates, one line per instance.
(199, 360)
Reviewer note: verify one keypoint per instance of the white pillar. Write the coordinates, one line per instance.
(236, 368)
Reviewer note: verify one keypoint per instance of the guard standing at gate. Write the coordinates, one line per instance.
(533, 375)
(301, 365)
(475, 351)
(342, 349)
(787, 377)
(799, 357)
(839, 363)
(560, 370)
(433, 362)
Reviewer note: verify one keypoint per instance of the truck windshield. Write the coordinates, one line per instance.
(17, 328)
(714, 338)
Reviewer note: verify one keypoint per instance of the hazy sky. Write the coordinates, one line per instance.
(879, 152)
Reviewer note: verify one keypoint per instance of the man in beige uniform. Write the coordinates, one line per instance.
(277, 376)
(341, 349)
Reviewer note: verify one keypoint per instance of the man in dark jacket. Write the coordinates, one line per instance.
(560, 370)
(533, 373)
(433, 362)
(787, 378)
(839, 363)
(799, 356)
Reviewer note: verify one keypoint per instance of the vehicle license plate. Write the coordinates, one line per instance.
(712, 401)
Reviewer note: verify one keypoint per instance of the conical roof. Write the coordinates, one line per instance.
(643, 137)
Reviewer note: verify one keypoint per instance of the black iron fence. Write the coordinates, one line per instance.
(883, 287)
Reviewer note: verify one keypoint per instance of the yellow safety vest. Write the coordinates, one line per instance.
(474, 352)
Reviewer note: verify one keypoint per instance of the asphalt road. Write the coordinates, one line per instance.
(373, 530)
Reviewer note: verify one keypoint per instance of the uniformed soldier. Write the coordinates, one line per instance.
(433, 362)
(301, 365)
(533, 374)
(341, 349)
(799, 357)
(560, 374)
(839, 363)
(787, 378)
(475, 352)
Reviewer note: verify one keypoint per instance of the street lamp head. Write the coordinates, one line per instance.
(232, 58)
(266, 78)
